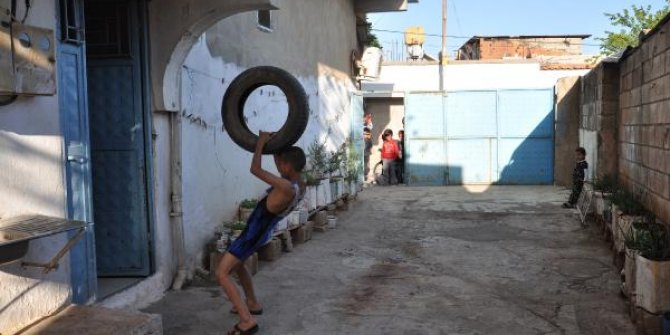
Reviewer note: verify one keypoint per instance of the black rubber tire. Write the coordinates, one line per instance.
(232, 109)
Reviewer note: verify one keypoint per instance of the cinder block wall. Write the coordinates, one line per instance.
(598, 119)
(644, 128)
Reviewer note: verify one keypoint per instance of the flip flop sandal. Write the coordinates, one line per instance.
(238, 331)
(252, 312)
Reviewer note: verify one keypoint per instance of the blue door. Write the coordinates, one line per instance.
(118, 137)
(74, 122)
(480, 137)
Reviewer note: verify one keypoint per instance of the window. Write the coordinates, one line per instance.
(265, 20)
(72, 30)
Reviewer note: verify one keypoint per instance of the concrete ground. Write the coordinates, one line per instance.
(405, 260)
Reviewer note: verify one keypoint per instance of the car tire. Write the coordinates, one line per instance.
(232, 109)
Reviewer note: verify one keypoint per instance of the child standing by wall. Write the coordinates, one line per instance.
(578, 175)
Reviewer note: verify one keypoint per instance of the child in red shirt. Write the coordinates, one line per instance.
(390, 153)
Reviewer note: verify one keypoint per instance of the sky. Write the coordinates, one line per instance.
(501, 17)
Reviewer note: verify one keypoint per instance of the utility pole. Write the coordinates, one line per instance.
(443, 53)
(443, 58)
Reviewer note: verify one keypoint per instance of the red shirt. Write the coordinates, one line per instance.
(390, 150)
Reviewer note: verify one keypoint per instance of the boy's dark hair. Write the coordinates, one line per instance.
(366, 130)
(294, 156)
(401, 131)
(388, 132)
(581, 151)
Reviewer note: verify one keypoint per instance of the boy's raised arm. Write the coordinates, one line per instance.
(257, 170)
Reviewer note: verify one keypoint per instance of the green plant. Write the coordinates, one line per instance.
(650, 238)
(629, 203)
(630, 23)
(336, 158)
(310, 178)
(605, 184)
(353, 164)
(318, 157)
(249, 203)
(236, 225)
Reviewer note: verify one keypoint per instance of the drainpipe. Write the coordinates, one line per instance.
(177, 213)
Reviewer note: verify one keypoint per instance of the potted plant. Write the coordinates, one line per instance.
(353, 169)
(651, 289)
(627, 208)
(603, 188)
(634, 241)
(311, 190)
(318, 158)
(236, 228)
(245, 209)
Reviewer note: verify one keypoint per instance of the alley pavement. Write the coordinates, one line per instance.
(442, 260)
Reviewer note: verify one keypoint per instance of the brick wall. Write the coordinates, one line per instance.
(644, 127)
(598, 119)
(528, 48)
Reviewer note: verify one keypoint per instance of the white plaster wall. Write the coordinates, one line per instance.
(466, 76)
(216, 173)
(32, 181)
(588, 139)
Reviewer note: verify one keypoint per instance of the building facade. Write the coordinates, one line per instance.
(132, 142)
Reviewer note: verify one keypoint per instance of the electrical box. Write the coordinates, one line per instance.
(6, 63)
(34, 60)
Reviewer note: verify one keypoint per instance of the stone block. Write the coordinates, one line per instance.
(321, 229)
(320, 219)
(647, 323)
(658, 66)
(271, 251)
(298, 235)
(97, 320)
(286, 241)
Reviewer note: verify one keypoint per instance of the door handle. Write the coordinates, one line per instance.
(76, 159)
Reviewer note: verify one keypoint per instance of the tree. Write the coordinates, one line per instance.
(631, 22)
(373, 41)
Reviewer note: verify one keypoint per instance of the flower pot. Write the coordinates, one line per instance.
(282, 224)
(310, 197)
(598, 205)
(244, 213)
(628, 288)
(620, 228)
(332, 222)
(325, 189)
(652, 285)
(293, 219)
(304, 216)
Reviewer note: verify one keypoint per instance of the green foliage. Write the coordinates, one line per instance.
(310, 178)
(605, 184)
(373, 41)
(629, 203)
(249, 203)
(631, 21)
(353, 164)
(318, 157)
(236, 225)
(650, 238)
(335, 159)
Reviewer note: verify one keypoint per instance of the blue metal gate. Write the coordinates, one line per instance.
(480, 137)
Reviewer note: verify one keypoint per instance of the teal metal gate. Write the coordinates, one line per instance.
(480, 137)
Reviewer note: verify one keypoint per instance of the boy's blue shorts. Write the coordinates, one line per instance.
(259, 229)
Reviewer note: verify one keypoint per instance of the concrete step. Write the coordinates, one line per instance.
(94, 320)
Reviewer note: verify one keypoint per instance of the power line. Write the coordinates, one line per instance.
(469, 37)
